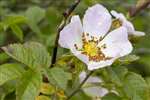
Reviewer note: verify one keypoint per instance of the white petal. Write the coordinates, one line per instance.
(94, 80)
(117, 43)
(101, 64)
(125, 22)
(91, 79)
(82, 76)
(71, 34)
(97, 21)
(129, 26)
(118, 15)
(138, 33)
(80, 56)
(95, 91)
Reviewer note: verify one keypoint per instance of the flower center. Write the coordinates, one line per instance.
(116, 24)
(91, 49)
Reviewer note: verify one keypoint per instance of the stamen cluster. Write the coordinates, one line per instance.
(90, 48)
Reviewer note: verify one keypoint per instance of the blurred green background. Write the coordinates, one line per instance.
(44, 17)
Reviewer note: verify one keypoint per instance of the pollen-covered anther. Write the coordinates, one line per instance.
(87, 34)
(104, 46)
(75, 45)
(91, 49)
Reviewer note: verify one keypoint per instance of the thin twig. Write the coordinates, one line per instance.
(79, 87)
(136, 10)
(66, 14)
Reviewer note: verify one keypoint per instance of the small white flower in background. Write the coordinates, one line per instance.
(92, 42)
(124, 22)
(93, 91)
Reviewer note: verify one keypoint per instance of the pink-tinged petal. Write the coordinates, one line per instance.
(71, 34)
(117, 43)
(97, 21)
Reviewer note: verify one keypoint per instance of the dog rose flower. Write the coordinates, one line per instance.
(92, 41)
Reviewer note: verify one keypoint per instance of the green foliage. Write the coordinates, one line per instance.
(111, 96)
(13, 20)
(128, 59)
(135, 87)
(34, 16)
(17, 31)
(58, 77)
(80, 96)
(10, 72)
(28, 86)
(32, 54)
(47, 89)
(3, 57)
(43, 98)
(128, 84)
(6, 89)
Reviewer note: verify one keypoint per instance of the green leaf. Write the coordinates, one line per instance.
(13, 19)
(111, 96)
(32, 54)
(80, 96)
(47, 89)
(135, 87)
(57, 76)
(34, 16)
(2, 96)
(28, 86)
(147, 79)
(10, 72)
(17, 31)
(3, 57)
(42, 97)
(7, 88)
(116, 74)
(1, 26)
(128, 59)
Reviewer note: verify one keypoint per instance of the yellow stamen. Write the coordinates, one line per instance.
(91, 49)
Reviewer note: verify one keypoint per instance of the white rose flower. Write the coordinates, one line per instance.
(127, 24)
(91, 42)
